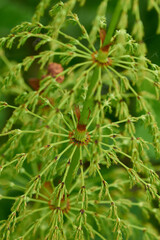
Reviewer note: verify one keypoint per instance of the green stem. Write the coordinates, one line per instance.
(87, 103)
(72, 167)
(113, 23)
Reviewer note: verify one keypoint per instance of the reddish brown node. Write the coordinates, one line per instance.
(138, 97)
(82, 211)
(81, 163)
(130, 170)
(81, 127)
(108, 63)
(47, 146)
(4, 104)
(106, 47)
(74, 141)
(114, 136)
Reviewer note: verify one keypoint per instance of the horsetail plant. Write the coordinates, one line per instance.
(72, 162)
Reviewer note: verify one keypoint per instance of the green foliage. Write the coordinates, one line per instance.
(72, 162)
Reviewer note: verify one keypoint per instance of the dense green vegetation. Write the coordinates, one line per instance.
(79, 119)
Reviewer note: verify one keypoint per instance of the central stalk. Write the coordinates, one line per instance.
(88, 103)
(80, 136)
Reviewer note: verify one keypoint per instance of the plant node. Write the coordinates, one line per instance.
(101, 58)
(79, 136)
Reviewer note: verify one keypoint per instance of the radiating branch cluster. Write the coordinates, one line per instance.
(72, 162)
